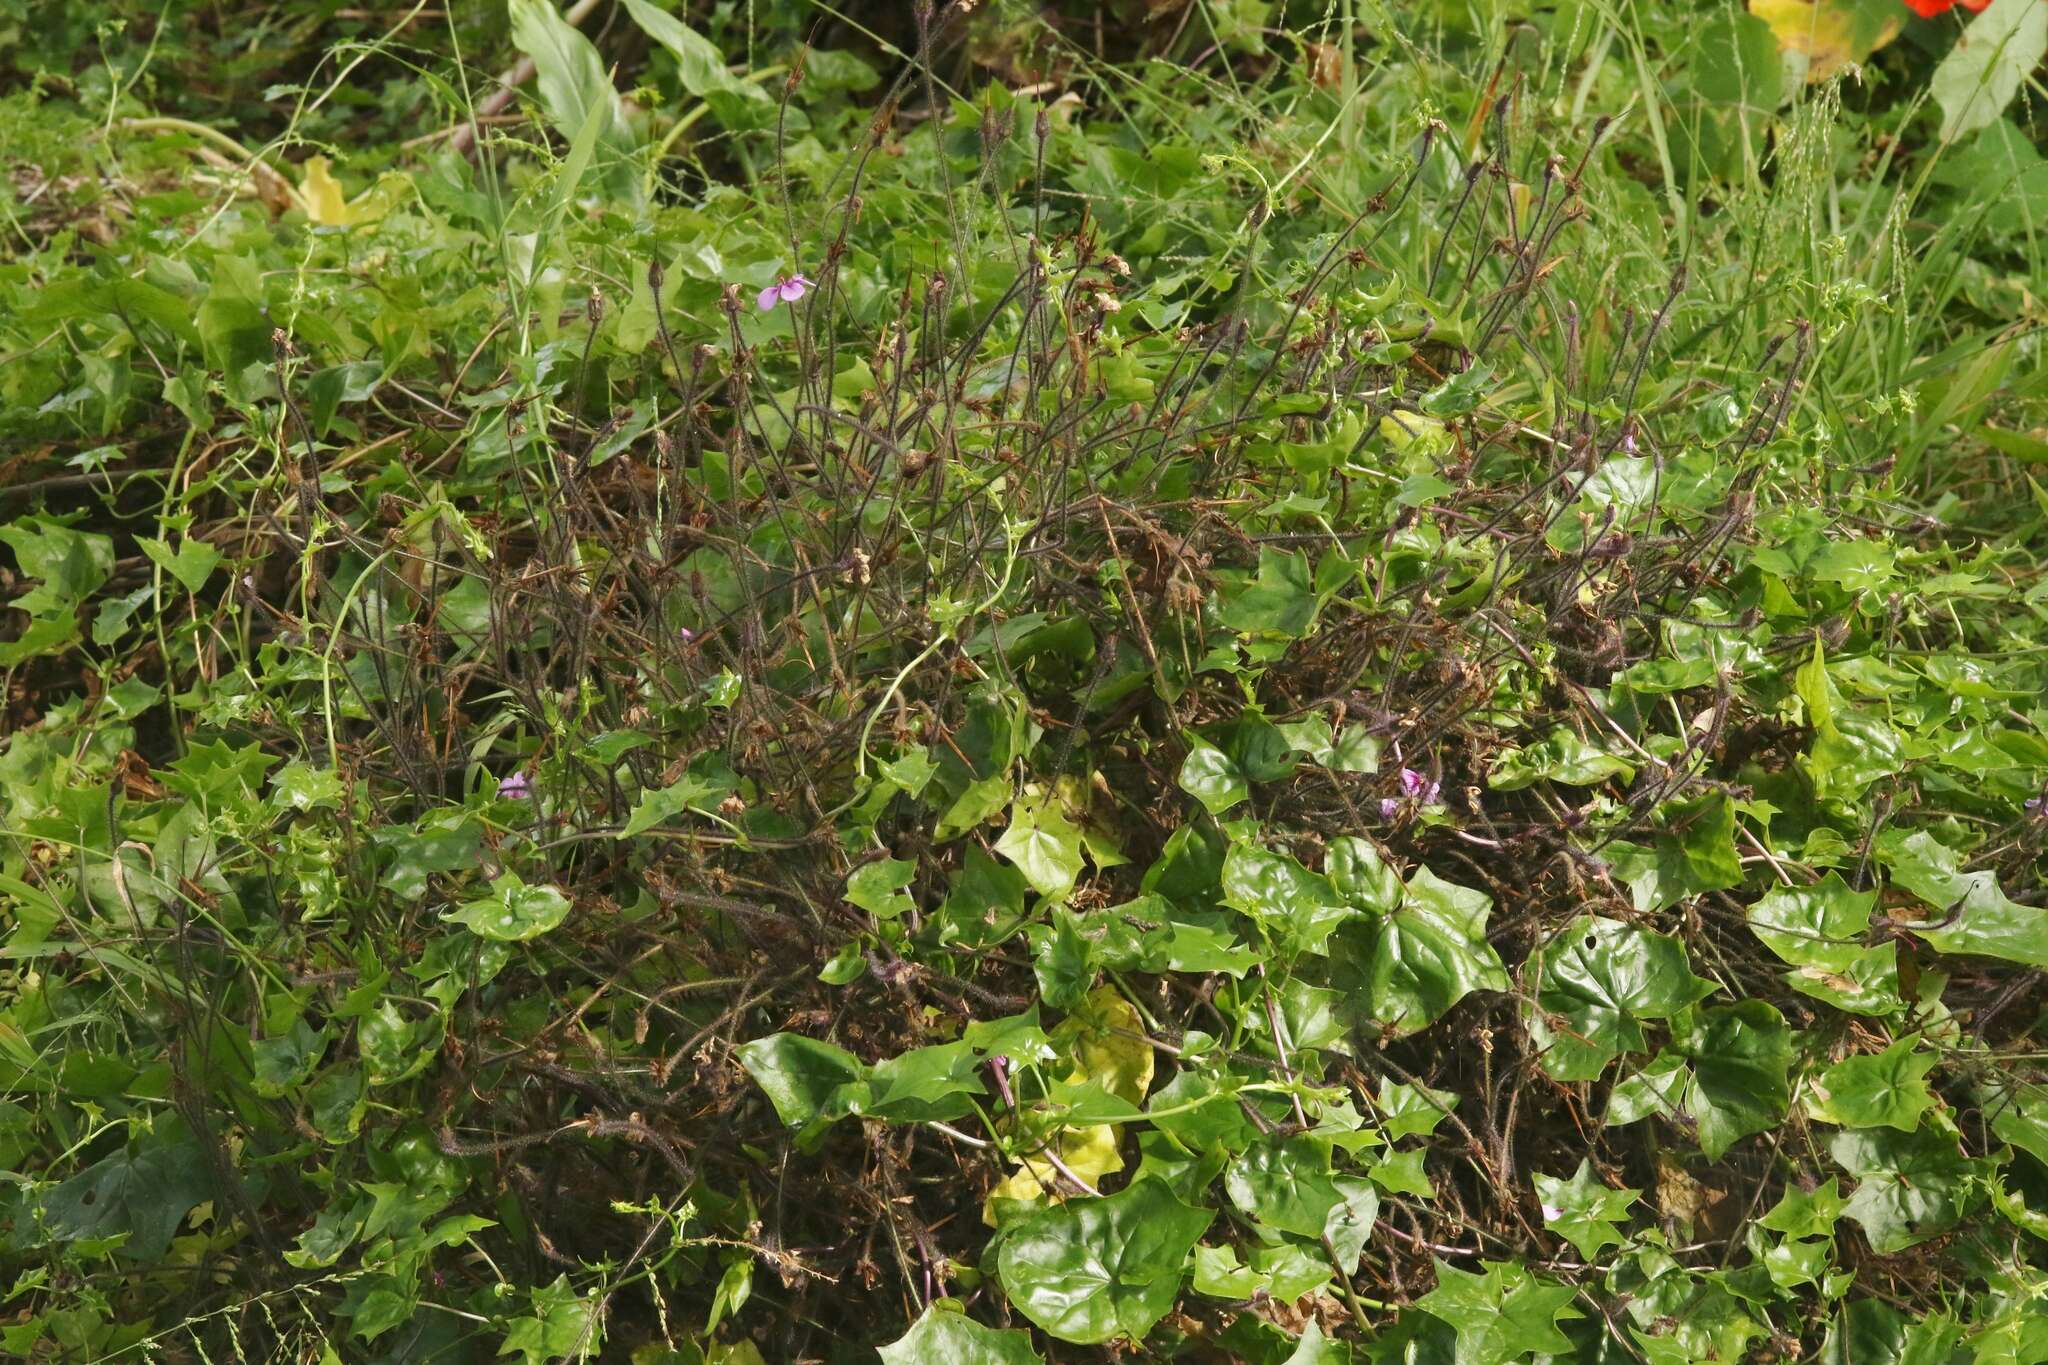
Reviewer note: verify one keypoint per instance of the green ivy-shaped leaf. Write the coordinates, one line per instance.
(1092, 1270)
(1281, 600)
(1408, 1110)
(882, 887)
(944, 1335)
(921, 1085)
(1584, 1211)
(192, 563)
(1212, 777)
(1499, 1315)
(1599, 980)
(1807, 1213)
(1430, 954)
(1289, 1185)
(1967, 911)
(1909, 1186)
(563, 1323)
(1820, 931)
(1403, 1173)
(1299, 908)
(657, 805)
(1314, 1348)
(1727, 1074)
(514, 912)
(1562, 756)
(1888, 1090)
(1043, 843)
(143, 1194)
(804, 1078)
(1695, 854)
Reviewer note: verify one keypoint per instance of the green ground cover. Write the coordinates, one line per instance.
(1196, 679)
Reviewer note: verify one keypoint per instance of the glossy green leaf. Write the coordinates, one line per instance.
(1459, 394)
(804, 1078)
(563, 1322)
(1063, 964)
(1967, 912)
(1212, 777)
(1909, 1186)
(1821, 930)
(143, 1194)
(882, 887)
(71, 565)
(1725, 1076)
(1289, 1185)
(1562, 756)
(922, 1084)
(514, 912)
(657, 806)
(1299, 907)
(1280, 600)
(1583, 1210)
(944, 1335)
(1362, 876)
(1872, 1332)
(1147, 936)
(1316, 1349)
(1599, 980)
(1695, 854)
(1886, 1090)
(1093, 1270)
(1403, 1173)
(1806, 1213)
(1431, 953)
(2019, 1115)
(1043, 844)
(973, 806)
(1407, 1110)
(191, 564)
(283, 1063)
(1500, 1314)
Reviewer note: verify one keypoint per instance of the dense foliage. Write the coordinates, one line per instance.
(1232, 680)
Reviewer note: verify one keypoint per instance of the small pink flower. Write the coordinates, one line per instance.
(1416, 786)
(513, 788)
(783, 291)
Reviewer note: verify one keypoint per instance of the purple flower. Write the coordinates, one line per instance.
(2034, 804)
(782, 291)
(513, 788)
(1417, 787)
(687, 634)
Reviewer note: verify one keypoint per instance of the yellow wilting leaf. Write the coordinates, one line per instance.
(1090, 1153)
(1109, 1045)
(322, 193)
(1828, 33)
(1105, 1039)
(327, 206)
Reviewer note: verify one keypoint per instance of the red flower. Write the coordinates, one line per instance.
(1927, 9)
